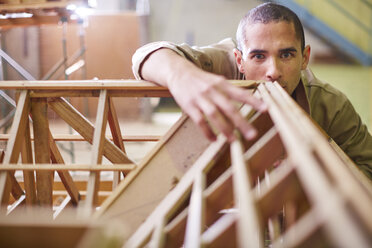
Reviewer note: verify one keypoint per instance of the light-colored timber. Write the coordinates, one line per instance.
(37, 186)
(36, 12)
(289, 187)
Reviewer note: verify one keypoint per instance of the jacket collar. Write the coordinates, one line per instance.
(302, 91)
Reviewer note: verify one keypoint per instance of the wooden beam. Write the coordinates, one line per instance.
(97, 151)
(66, 202)
(178, 149)
(13, 148)
(114, 125)
(116, 134)
(44, 180)
(2, 154)
(171, 203)
(28, 176)
(11, 8)
(196, 216)
(115, 85)
(322, 195)
(78, 122)
(77, 137)
(249, 230)
(67, 167)
(21, 201)
(65, 176)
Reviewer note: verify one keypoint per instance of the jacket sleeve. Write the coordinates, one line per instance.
(216, 58)
(351, 134)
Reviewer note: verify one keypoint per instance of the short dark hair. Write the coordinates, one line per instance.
(266, 13)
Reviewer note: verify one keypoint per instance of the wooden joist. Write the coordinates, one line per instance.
(27, 12)
(76, 137)
(38, 96)
(288, 188)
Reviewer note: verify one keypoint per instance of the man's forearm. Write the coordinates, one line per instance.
(164, 66)
(207, 98)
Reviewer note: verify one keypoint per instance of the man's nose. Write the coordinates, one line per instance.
(273, 72)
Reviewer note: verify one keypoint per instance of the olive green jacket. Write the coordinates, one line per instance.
(326, 105)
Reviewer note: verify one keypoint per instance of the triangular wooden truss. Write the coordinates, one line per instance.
(39, 191)
(288, 188)
(169, 157)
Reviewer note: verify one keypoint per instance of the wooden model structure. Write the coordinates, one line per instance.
(289, 187)
(38, 12)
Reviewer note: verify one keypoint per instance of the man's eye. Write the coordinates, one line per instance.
(286, 55)
(258, 56)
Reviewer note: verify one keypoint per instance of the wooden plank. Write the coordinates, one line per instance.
(284, 187)
(336, 165)
(65, 176)
(37, 230)
(116, 134)
(195, 219)
(2, 154)
(175, 230)
(97, 151)
(76, 137)
(28, 176)
(10, 8)
(221, 233)
(219, 196)
(116, 85)
(85, 128)
(322, 194)
(67, 167)
(249, 229)
(13, 147)
(257, 154)
(300, 233)
(66, 202)
(95, 93)
(172, 201)
(21, 201)
(311, 214)
(24, 22)
(158, 173)
(114, 126)
(158, 237)
(44, 180)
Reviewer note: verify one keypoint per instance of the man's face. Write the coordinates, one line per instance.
(273, 53)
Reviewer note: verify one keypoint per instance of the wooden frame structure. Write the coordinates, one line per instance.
(42, 12)
(35, 97)
(288, 188)
(39, 192)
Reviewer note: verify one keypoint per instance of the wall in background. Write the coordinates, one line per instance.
(354, 81)
(205, 22)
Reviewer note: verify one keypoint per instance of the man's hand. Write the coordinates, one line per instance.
(205, 97)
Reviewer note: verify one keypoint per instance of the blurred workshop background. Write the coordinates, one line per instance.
(105, 34)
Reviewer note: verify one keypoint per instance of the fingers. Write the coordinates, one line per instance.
(245, 96)
(216, 117)
(216, 106)
(198, 118)
(232, 113)
(209, 101)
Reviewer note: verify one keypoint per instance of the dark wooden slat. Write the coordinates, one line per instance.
(44, 180)
(64, 175)
(85, 128)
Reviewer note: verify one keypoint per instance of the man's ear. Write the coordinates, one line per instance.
(305, 57)
(239, 59)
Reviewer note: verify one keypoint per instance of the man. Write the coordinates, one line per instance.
(270, 47)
